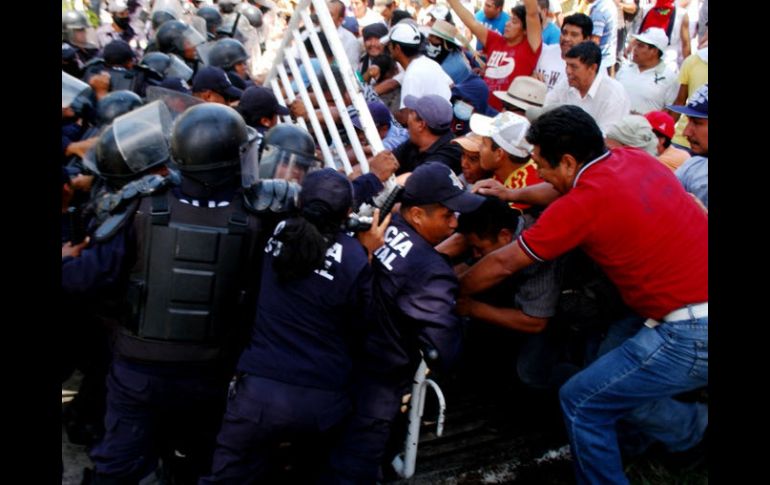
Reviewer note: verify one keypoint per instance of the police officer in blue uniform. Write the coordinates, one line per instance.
(294, 375)
(187, 258)
(415, 289)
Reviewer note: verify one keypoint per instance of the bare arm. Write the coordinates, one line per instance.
(454, 245)
(534, 25)
(502, 317)
(684, 34)
(474, 25)
(538, 194)
(494, 268)
(386, 86)
(681, 99)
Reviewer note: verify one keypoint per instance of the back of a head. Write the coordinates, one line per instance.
(115, 104)
(170, 37)
(587, 52)
(325, 200)
(564, 130)
(489, 219)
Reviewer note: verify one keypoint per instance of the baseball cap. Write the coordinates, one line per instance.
(661, 122)
(697, 106)
(470, 142)
(404, 33)
(215, 79)
(329, 186)
(378, 110)
(117, 52)
(434, 109)
(377, 29)
(506, 129)
(435, 183)
(654, 36)
(259, 101)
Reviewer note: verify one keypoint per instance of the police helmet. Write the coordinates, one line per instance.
(208, 137)
(170, 37)
(156, 62)
(212, 17)
(226, 53)
(111, 164)
(252, 13)
(160, 17)
(115, 104)
(72, 20)
(287, 152)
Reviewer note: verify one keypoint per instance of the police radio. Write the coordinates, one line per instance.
(76, 225)
(362, 221)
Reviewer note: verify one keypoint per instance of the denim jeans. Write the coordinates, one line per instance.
(636, 381)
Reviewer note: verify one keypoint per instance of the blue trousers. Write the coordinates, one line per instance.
(635, 382)
(153, 410)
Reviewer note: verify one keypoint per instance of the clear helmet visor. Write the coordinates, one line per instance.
(176, 102)
(71, 88)
(250, 158)
(178, 68)
(278, 163)
(171, 7)
(204, 52)
(142, 135)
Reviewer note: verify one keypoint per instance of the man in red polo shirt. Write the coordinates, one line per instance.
(512, 54)
(630, 214)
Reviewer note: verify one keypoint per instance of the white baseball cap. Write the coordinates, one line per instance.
(654, 36)
(402, 32)
(506, 129)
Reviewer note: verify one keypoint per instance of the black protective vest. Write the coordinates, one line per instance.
(194, 285)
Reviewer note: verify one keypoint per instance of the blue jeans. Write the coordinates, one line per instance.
(636, 381)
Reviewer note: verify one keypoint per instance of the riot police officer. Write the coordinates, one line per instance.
(231, 56)
(75, 32)
(190, 253)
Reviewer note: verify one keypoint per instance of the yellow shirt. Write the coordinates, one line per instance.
(694, 73)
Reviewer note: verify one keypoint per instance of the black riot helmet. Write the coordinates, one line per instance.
(176, 37)
(287, 152)
(212, 17)
(166, 65)
(159, 18)
(252, 13)
(207, 141)
(226, 53)
(135, 142)
(115, 104)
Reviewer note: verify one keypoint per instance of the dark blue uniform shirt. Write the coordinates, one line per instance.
(307, 330)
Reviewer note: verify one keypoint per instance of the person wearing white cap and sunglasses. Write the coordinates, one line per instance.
(649, 81)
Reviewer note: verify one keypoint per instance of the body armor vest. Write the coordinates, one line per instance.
(195, 281)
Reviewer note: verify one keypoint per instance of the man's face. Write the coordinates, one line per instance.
(513, 28)
(373, 46)
(645, 54)
(490, 11)
(559, 177)
(482, 246)
(359, 8)
(579, 75)
(414, 125)
(571, 35)
(437, 223)
(488, 155)
(697, 133)
(471, 166)
(337, 11)
(241, 69)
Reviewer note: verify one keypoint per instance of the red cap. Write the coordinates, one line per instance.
(661, 122)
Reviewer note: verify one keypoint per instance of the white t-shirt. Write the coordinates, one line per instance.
(649, 90)
(606, 99)
(424, 76)
(551, 65)
(369, 18)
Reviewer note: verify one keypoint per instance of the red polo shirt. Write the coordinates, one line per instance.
(632, 216)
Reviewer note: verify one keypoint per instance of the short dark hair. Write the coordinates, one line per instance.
(498, 3)
(544, 4)
(337, 77)
(324, 44)
(564, 130)
(521, 12)
(666, 140)
(511, 156)
(399, 15)
(581, 21)
(486, 222)
(409, 50)
(587, 52)
(384, 61)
